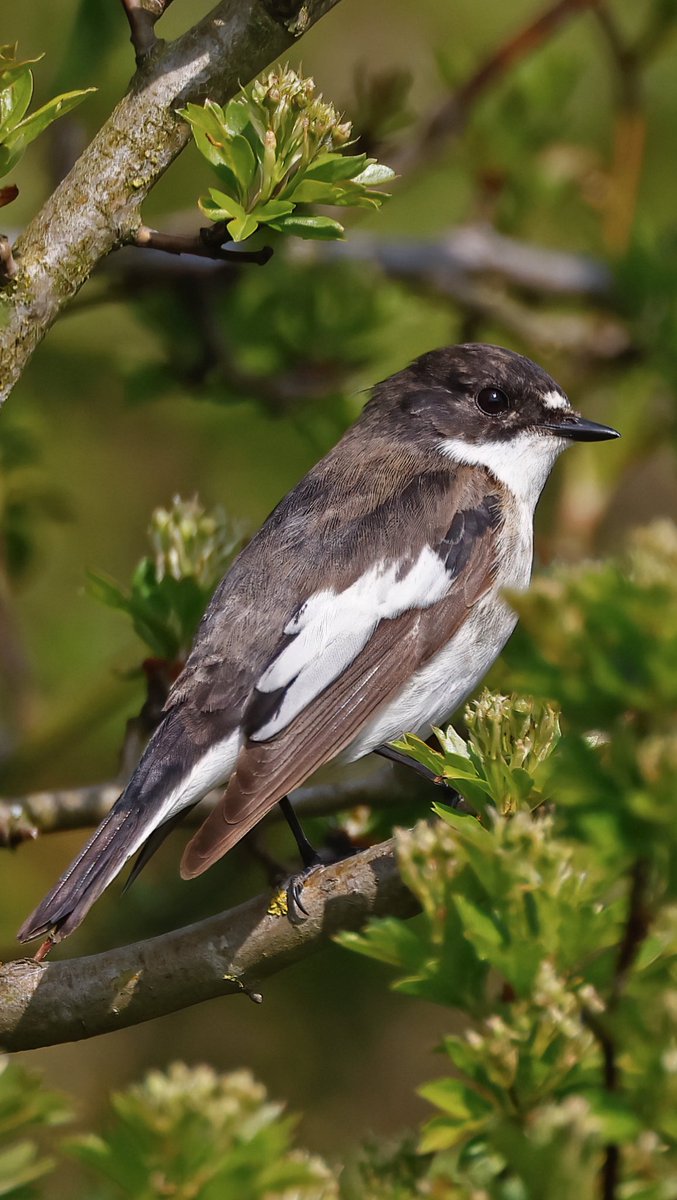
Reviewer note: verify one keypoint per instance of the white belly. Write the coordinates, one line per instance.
(432, 694)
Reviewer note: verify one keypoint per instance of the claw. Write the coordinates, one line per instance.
(297, 912)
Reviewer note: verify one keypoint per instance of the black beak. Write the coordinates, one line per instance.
(581, 430)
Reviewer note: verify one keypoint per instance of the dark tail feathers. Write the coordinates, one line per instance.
(103, 857)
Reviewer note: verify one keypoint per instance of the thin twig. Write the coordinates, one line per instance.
(449, 119)
(142, 16)
(43, 1004)
(8, 266)
(39, 813)
(636, 929)
(202, 247)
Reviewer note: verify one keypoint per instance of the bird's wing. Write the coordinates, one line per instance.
(344, 654)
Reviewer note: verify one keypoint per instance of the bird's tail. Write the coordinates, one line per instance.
(118, 837)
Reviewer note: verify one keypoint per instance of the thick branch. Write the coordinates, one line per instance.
(97, 206)
(45, 1004)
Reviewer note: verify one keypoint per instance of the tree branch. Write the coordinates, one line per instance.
(42, 1004)
(178, 243)
(27, 817)
(97, 206)
(467, 268)
(142, 18)
(450, 118)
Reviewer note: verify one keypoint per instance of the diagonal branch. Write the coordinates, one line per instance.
(42, 1004)
(449, 119)
(97, 206)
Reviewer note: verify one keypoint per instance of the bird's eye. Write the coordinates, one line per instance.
(493, 401)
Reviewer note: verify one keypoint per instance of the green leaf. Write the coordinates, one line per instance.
(14, 101)
(620, 1123)
(104, 589)
(321, 228)
(312, 191)
(30, 128)
(272, 209)
(456, 1099)
(219, 206)
(421, 752)
(482, 928)
(374, 174)
(243, 227)
(330, 168)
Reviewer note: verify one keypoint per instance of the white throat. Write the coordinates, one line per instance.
(522, 463)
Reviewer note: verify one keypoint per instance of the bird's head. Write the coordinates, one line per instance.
(481, 405)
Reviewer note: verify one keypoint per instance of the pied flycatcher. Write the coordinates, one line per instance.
(367, 606)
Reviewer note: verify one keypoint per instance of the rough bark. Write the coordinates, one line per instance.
(42, 1004)
(98, 205)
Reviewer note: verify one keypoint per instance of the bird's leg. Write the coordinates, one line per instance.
(309, 855)
(296, 910)
(43, 950)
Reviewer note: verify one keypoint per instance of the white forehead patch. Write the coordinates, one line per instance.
(555, 400)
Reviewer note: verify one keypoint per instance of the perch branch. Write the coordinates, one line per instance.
(97, 206)
(42, 1004)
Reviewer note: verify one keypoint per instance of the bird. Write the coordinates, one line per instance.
(368, 605)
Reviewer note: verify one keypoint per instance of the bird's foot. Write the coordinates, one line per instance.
(42, 952)
(297, 912)
(287, 901)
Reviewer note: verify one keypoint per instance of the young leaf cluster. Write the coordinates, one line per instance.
(25, 1106)
(275, 149)
(553, 928)
(503, 764)
(190, 1132)
(170, 587)
(18, 128)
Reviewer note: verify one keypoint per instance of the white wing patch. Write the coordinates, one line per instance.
(331, 629)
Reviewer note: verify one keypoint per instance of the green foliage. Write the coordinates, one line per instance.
(278, 146)
(23, 499)
(170, 589)
(18, 130)
(602, 642)
(553, 928)
(386, 1172)
(25, 1105)
(503, 761)
(189, 1132)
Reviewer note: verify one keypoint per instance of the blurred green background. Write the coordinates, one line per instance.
(164, 380)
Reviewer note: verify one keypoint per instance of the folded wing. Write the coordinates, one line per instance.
(344, 655)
